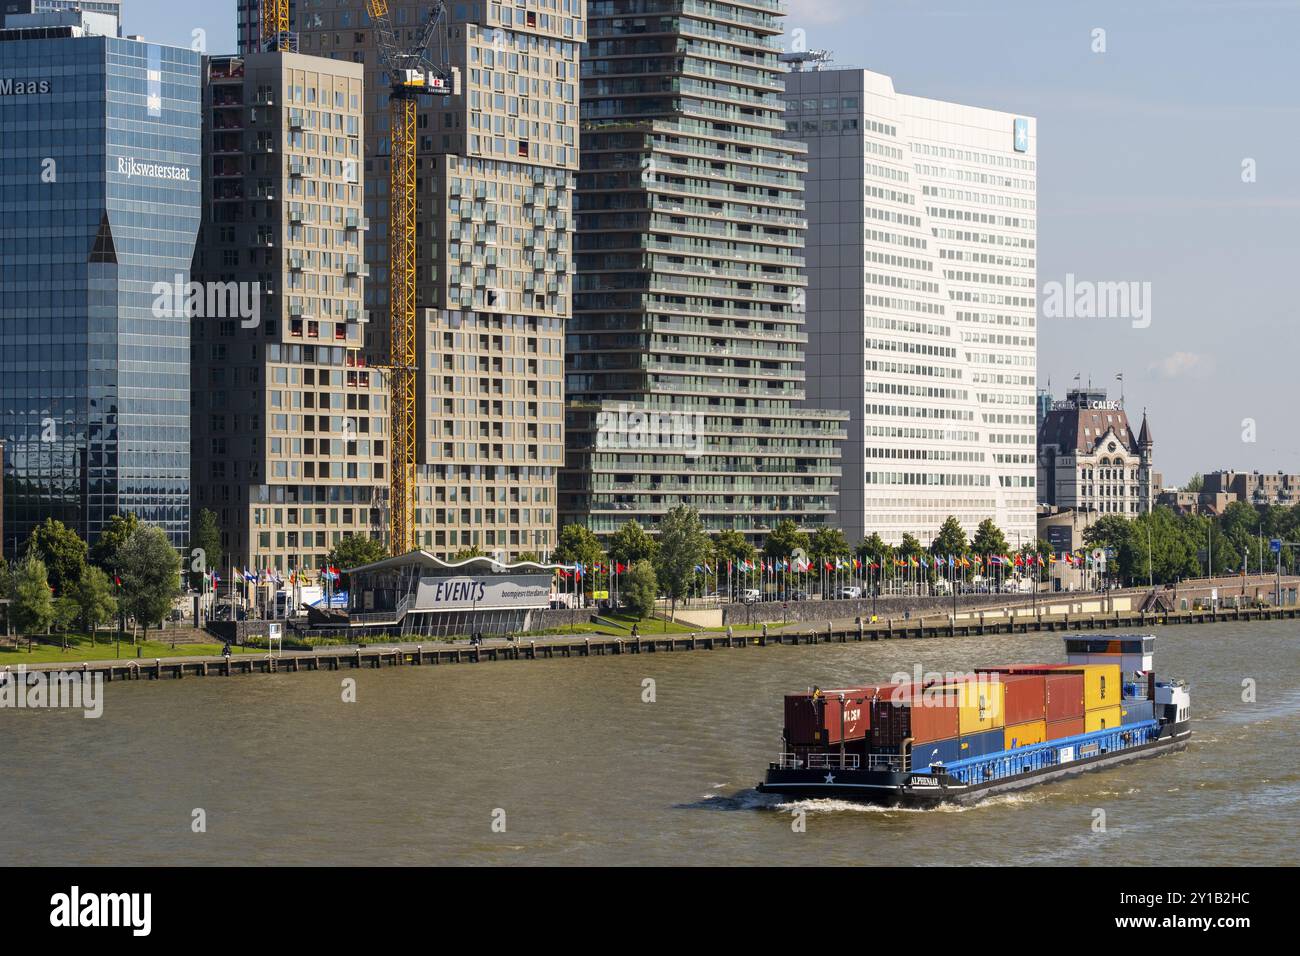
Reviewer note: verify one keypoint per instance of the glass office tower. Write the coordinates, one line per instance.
(99, 208)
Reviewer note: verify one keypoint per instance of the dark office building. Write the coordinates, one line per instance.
(99, 208)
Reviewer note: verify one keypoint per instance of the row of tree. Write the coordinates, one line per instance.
(62, 584)
(1164, 546)
(683, 545)
(1160, 546)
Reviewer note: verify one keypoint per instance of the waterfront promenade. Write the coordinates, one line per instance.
(351, 657)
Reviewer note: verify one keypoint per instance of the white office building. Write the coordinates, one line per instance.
(921, 260)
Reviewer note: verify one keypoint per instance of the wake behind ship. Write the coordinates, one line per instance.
(960, 738)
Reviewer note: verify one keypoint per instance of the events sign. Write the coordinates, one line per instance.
(483, 592)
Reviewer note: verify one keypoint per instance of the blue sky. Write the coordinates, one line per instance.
(1140, 153)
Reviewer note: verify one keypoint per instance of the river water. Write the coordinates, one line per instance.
(577, 769)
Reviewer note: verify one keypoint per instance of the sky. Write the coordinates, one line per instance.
(1140, 179)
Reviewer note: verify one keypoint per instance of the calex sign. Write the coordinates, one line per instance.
(1021, 135)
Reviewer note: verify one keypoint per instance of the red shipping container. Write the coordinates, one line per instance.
(934, 717)
(1070, 727)
(1064, 697)
(807, 724)
(802, 720)
(1024, 698)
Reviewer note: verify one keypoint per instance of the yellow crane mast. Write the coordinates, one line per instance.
(412, 73)
(276, 36)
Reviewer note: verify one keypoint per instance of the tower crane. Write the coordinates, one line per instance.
(276, 36)
(412, 73)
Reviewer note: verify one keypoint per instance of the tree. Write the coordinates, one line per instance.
(1160, 548)
(683, 544)
(989, 539)
(109, 545)
(62, 551)
(951, 539)
(354, 550)
(829, 543)
(32, 607)
(1108, 531)
(640, 589)
(92, 596)
(6, 584)
(66, 614)
(464, 554)
(874, 548)
(150, 572)
(205, 538)
(577, 545)
(529, 556)
(910, 547)
(1194, 483)
(785, 539)
(632, 543)
(731, 546)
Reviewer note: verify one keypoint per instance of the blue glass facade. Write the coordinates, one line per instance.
(99, 203)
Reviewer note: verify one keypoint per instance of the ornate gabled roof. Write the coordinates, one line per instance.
(1079, 430)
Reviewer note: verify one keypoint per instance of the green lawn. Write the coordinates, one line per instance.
(79, 650)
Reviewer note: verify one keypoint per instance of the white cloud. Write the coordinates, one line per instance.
(1179, 364)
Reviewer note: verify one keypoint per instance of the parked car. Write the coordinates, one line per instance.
(849, 593)
(750, 595)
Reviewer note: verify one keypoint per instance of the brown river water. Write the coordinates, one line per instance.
(566, 757)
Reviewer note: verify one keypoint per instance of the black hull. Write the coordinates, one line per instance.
(910, 789)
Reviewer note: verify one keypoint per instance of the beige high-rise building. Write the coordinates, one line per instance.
(290, 423)
(496, 175)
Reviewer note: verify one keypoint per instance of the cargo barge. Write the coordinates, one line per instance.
(958, 738)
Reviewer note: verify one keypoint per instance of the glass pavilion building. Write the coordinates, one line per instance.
(99, 208)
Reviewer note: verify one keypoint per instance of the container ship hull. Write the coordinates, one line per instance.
(907, 789)
(943, 738)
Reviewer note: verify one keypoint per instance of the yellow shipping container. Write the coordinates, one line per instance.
(1101, 685)
(1023, 735)
(979, 706)
(1103, 718)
